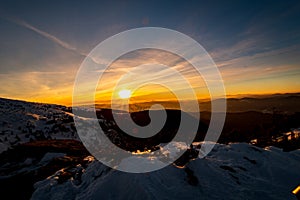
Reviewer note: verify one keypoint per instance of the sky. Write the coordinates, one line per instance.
(255, 44)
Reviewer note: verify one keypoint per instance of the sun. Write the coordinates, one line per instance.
(124, 94)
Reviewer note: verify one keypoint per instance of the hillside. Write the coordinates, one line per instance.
(236, 171)
(22, 122)
(43, 158)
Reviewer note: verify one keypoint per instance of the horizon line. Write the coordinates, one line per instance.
(229, 96)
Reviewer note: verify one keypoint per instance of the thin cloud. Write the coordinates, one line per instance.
(44, 34)
(48, 36)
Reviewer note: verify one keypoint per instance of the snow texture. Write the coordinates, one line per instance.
(235, 171)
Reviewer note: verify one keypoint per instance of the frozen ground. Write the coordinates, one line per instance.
(235, 171)
(22, 122)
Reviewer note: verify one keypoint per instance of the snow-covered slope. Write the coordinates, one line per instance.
(21, 122)
(235, 171)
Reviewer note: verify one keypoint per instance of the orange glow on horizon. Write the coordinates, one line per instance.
(57, 87)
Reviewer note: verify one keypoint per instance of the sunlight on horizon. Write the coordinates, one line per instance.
(124, 94)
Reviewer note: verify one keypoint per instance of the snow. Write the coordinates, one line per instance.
(235, 171)
(136, 163)
(22, 122)
(173, 148)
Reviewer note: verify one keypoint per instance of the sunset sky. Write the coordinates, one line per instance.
(255, 44)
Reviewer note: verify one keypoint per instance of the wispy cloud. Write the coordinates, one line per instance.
(36, 85)
(48, 36)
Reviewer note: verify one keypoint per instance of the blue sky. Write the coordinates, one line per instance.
(255, 44)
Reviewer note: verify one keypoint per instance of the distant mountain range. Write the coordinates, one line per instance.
(288, 103)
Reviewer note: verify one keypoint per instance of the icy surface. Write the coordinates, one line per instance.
(235, 171)
(22, 122)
